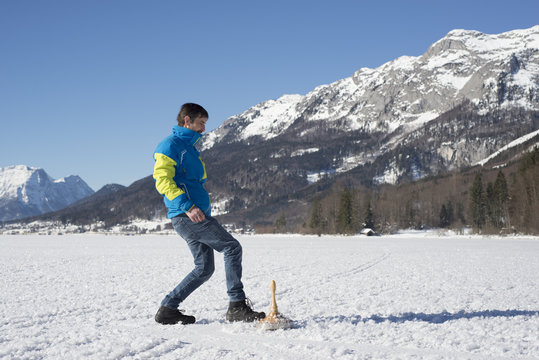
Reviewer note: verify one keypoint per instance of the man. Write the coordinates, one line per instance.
(180, 174)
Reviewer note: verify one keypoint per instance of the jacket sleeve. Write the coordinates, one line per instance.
(163, 172)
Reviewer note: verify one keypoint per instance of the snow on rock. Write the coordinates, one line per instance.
(267, 120)
(513, 143)
(313, 177)
(408, 296)
(27, 191)
(490, 44)
(390, 176)
(302, 152)
(272, 117)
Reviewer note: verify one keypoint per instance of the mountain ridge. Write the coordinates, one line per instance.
(356, 92)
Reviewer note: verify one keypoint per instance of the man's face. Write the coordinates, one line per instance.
(198, 124)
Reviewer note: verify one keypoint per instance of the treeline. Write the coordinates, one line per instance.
(503, 200)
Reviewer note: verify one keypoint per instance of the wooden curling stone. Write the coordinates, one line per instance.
(274, 320)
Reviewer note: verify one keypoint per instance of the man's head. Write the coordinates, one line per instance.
(193, 116)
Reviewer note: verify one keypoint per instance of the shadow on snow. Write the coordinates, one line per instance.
(430, 318)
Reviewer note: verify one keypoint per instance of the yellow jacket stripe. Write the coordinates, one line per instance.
(204, 166)
(163, 173)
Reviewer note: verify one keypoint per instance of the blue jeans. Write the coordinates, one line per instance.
(202, 238)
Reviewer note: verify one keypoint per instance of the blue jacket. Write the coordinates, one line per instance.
(180, 173)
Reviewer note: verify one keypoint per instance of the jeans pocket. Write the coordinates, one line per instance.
(183, 225)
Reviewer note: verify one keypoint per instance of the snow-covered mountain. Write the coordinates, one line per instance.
(493, 71)
(27, 191)
(467, 97)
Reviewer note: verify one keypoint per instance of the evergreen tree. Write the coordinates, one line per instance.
(490, 204)
(502, 197)
(316, 216)
(477, 203)
(496, 197)
(369, 217)
(444, 217)
(500, 188)
(280, 223)
(344, 219)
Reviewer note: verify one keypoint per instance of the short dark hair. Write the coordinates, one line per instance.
(193, 111)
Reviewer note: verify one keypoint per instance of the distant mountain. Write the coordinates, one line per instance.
(27, 191)
(106, 191)
(112, 205)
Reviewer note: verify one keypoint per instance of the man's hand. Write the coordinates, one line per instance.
(195, 214)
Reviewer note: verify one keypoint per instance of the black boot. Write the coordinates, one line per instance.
(241, 311)
(168, 316)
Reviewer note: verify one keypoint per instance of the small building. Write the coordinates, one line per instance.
(367, 232)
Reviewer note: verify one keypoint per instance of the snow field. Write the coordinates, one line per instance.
(407, 296)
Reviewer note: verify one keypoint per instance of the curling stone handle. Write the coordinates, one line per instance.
(273, 301)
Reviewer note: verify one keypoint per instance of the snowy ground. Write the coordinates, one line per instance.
(408, 296)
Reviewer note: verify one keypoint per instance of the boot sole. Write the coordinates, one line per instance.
(174, 322)
(249, 319)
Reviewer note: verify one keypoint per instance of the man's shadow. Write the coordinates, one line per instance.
(439, 318)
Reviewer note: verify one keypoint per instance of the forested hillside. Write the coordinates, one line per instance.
(491, 200)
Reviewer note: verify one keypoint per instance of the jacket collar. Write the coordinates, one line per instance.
(187, 135)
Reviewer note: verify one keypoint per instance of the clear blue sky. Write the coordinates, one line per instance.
(90, 87)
